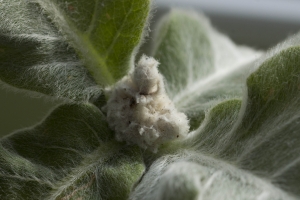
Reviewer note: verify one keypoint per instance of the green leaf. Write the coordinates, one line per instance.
(263, 136)
(182, 47)
(202, 67)
(267, 138)
(111, 177)
(210, 136)
(105, 33)
(71, 154)
(33, 56)
(213, 132)
(247, 150)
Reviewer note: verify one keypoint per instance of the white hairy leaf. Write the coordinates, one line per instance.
(243, 139)
(246, 147)
(202, 67)
(35, 57)
(190, 175)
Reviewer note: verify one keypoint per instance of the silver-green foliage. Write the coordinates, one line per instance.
(71, 154)
(243, 107)
(246, 147)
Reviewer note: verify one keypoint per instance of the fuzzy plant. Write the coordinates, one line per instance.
(197, 117)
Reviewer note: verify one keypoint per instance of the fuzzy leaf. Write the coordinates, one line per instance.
(240, 148)
(71, 154)
(183, 46)
(202, 67)
(217, 123)
(105, 33)
(263, 137)
(191, 175)
(267, 139)
(33, 56)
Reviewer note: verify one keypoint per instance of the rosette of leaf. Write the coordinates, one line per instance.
(245, 143)
(244, 134)
(69, 50)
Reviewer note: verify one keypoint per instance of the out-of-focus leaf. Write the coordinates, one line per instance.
(184, 50)
(105, 33)
(202, 67)
(71, 154)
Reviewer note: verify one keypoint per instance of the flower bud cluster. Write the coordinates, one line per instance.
(140, 111)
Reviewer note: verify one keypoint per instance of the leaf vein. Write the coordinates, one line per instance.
(118, 33)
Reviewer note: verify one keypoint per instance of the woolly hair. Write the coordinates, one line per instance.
(140, 111)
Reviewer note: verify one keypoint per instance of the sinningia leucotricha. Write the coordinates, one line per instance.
(196, 117)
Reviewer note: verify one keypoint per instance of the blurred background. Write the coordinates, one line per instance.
(257, 23)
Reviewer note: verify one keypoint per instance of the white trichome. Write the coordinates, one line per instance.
(140, 111)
